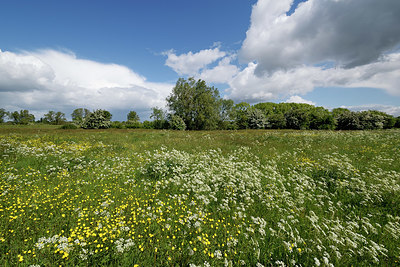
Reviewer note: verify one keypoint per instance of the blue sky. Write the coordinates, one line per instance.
(127, 55)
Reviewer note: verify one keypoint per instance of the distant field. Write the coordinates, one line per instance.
(170, 198)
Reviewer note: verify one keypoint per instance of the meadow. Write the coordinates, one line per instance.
(194, 198)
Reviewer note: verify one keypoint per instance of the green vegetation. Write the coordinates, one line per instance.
(195, 106)
(118, 197)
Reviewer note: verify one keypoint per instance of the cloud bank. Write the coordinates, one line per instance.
(49, 79)
(349, 33)
(248, 86)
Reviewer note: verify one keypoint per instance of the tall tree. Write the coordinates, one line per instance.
(132, 116)
(22, 117)
(196, 103)
(98, 119)
(241, 112)
(79, 115)
(159, 117)
(49, 117)
(3, 114)
(60, 118)
(227, 115)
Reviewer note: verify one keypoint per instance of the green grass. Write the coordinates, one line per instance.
(163, 198)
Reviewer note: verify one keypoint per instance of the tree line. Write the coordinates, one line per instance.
(193, 105)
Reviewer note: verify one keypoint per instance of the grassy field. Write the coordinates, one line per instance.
(165, 198)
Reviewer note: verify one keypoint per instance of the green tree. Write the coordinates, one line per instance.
(227, 115)
(60, 118)
(49, 117)
(276, 121)
(347, 120)
(256, 119)
(79, 115)
(148, 124)
(388, 120)
(370, 120)
(99, 119)
(297, 118)
(268, 108)
(159, 118)
(197, 104)
(241, 113)
(22, 117)
(53, 117)
(177, 123)
(132, 116)
(321, 119)
(3, 115)
(397, 124)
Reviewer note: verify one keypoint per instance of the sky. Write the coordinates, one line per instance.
(128, 54)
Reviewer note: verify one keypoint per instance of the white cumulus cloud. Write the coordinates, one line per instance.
(49, 79)
(222, 73)
(190, 63)
(252, 87)
(349, 33)
(299, 99)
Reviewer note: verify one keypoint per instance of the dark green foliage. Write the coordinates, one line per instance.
(268, 108)
(159, 117)
(69, 126)
(22, 117)
(117, 125)
(148, 125)
(347, 120)
(296, 116)
(397, 124)
(132, 116)
(197, 104)
(297, 119)
(177, 123)
(133, 124)
(241, 113)
(227, 115)
(53, 117)
(276, 121)
(364, 120)
(321, 119)
(99, 119)
(336, 112)
(3, 115)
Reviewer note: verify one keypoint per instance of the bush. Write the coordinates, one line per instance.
(99, 119)
(397, 124)
(370, 120)
(117, 125)
(348, 120)
(276, 121)
(133, 124)
(177, 123)
(69, 126)
(148, 125)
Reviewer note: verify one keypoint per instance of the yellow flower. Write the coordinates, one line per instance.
(20, 258)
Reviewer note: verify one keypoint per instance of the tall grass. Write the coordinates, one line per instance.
(159, 198)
